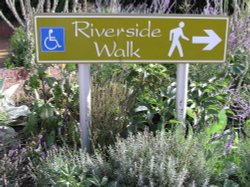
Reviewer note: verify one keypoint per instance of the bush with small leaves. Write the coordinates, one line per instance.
(14, 168)
(162, 160)
(20, 53)
(140, 160)
(244, 166)
(64, 167)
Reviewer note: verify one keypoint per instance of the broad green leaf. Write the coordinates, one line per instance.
(212, 79)
(51, 138)
(230, 183)
(141, 108)
(247, 123)
(212, 111)
(222, 118)
(3, 117)
(174, 121)
(70, 67)
(16, 112)
(191, 113)
(217, 127)
(47, 112)
(10, 91)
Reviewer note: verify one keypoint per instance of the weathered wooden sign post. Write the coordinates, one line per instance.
(87, 39)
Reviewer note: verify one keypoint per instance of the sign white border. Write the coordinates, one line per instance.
(132, 17)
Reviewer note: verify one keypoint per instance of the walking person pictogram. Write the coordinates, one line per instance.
(175, 35)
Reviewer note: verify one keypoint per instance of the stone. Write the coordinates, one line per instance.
(8, 139)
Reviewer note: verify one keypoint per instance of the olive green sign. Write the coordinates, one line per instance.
(76, 38)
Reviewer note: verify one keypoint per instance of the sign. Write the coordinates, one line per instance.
(52, 39)
(70, 38)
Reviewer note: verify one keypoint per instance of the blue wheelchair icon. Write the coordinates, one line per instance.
(52, 39)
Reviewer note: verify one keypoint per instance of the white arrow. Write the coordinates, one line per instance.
(212, 40)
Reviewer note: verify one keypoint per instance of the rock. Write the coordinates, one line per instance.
(7, 139)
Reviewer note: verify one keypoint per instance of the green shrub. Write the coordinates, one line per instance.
(9, 113)
(14, 169)
(163, 160)
(154, 101)
(64, 167)
(140, 160)
(20, 50)
(54, 112)
(109, 110)
(244, 166)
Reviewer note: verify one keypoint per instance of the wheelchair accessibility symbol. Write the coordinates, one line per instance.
(52, 39)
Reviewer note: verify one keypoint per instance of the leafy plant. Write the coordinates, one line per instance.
(206, 100)
(111, 103)
(153, 106)
(8, 139)
(20, 54)
(10, 116)
(163, 160)
(244, 166)
(55, 111)
(221, 151)
(64, 167)
(9, 113)
(14, 168)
